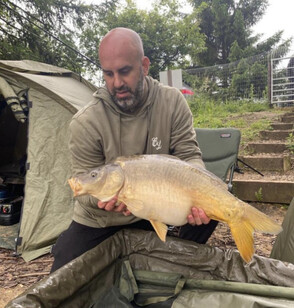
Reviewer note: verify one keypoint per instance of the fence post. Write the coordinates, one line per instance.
(269, 80)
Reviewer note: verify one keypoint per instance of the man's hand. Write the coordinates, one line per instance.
(111, 206)
(197, 217)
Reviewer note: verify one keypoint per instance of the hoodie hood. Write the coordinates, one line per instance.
(103, 94)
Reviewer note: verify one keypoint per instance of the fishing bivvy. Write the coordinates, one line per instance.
(37, 102)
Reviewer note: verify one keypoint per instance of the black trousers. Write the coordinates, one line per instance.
(78, 238)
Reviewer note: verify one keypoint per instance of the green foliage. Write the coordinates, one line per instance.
(168, 36)
(290, 143)
(212, 114)
(250, 132)
(241, 80)
(236, 52)
(45, 31)
(249, 81)
(224, 22)
(258, 195)
(227, 25)
(214, 32)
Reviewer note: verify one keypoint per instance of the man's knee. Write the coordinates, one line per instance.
(70, 244)
(76, 240)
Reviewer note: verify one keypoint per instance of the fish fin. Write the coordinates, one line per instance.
(160, 229)
(243, 237)
(260, 221)
(252, 220)
(134, 205)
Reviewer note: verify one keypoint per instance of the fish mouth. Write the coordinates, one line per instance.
(75, 186)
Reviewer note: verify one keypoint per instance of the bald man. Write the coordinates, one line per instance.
(133, 114)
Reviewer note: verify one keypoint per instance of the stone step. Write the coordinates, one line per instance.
(263, 147)
(287, 114)
(282, 126)
(264, 191)
(275, 134)
(277, 162)
(287, 118)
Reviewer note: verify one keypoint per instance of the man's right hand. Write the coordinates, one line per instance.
(111, 206)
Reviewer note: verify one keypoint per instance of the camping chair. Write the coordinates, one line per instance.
(219, 147)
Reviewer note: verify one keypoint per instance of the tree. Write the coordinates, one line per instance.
(240, 85)
(46, 31)
(227, 26)
(170, 37)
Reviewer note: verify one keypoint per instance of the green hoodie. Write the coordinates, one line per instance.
(101, 131)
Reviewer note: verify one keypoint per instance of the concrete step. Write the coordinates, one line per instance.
(275, 134)
(287, 118)
(282, 126)
(265, 147)
(264, 191)
(273, 162)
(287, 114)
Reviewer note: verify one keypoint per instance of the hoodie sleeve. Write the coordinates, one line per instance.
(86, 154)
(183, 143)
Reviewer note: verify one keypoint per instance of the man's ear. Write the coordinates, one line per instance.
(145, 64)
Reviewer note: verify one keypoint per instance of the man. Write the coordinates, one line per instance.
(133, 114)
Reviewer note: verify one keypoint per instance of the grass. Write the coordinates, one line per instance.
(216, 114)
(290, 143)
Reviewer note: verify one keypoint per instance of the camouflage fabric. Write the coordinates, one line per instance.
(8, 234)
(136, 269)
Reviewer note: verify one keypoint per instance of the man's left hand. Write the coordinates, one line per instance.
(197, 217)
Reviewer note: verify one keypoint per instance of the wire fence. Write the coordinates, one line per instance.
(282, 80)
(249, 78)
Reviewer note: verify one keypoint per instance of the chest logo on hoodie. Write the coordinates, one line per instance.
(156, 143)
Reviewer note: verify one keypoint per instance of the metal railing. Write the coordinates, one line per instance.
(282, 81)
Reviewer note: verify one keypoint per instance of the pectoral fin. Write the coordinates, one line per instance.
(160, 229)
(134, 205)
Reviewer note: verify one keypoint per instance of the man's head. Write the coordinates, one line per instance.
(124, 67)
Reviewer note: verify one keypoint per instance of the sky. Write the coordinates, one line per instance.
(277, 17)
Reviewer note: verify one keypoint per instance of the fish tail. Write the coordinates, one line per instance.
(260, 221)
(243, 236)
(242, 231)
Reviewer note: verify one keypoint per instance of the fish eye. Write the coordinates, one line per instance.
(93, 174)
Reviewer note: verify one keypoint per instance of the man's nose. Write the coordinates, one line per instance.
(117, 81)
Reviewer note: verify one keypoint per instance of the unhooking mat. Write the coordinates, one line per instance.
(133, 268)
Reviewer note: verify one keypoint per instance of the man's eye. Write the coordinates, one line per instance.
(125, 71)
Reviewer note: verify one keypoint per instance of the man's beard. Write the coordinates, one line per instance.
(133, 102)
